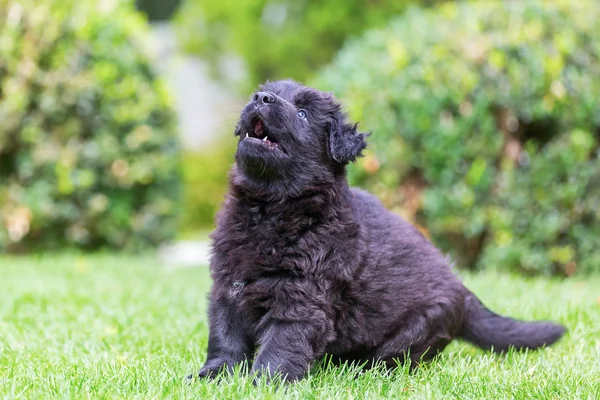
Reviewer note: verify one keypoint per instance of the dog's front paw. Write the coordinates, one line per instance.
(275, 375)
(210, 370)
(204, 373)
(263, 376)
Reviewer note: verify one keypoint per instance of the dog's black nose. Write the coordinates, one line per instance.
(263, 98)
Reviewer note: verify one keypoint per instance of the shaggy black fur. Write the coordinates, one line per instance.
(304, 266)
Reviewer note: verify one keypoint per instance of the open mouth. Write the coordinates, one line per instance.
(259, 132)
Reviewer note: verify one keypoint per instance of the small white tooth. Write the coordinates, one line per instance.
(265, 139)
(246, 134)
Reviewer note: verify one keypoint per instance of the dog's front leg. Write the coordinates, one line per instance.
(287, 349)
(228, 343)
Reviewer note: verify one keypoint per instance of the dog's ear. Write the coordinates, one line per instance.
(345, 143)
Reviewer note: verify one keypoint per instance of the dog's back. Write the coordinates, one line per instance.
(413, 277)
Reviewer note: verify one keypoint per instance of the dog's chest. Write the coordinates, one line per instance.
(265, 256)
(264, 250)
(265, 269)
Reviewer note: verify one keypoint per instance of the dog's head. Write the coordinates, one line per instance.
(292, 136)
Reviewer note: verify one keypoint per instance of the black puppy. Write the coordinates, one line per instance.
(305, 266)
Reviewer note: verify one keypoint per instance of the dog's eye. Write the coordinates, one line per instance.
(302, 113)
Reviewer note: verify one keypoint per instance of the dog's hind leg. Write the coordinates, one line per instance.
(420, 339)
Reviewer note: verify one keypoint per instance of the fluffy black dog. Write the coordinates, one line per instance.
(304, 266)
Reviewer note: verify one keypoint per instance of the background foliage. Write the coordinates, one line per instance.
(485, 121)
(485, 118)
(158, 10)
(88, 149)
(279, 38)
(205, 178)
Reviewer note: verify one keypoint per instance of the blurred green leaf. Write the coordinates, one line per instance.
(77, 95)
(283, 38)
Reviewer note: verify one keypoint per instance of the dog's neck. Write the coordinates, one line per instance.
(331, 185)
(322, 196)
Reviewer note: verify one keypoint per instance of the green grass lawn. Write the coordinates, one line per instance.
(126, 327)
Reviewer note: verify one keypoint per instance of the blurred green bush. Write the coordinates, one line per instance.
(205, 177)
(279, 38)
(88, 147)
(485, 120)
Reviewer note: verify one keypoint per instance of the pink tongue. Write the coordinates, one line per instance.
(258, 128)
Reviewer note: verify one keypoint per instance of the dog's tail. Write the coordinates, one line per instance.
(493, 332)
